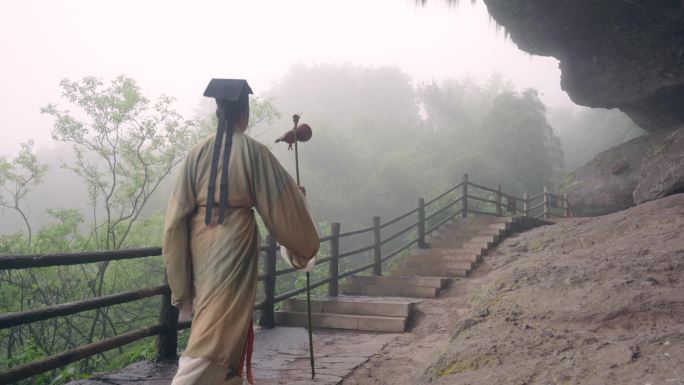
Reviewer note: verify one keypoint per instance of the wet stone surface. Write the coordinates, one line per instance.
(281, 356)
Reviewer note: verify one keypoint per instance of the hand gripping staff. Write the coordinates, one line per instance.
(302, 133)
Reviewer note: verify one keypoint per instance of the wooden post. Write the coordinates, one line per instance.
(421, 224)
(546, 203)
(334, 265)
(499, 211)
(526, 205)
(377, 248)
(464, 212)
(167, 340)
(267, 312)
(566, 206)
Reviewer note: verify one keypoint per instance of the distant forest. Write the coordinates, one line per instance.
(380, 142)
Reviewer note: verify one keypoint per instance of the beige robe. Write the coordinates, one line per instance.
(216, 266)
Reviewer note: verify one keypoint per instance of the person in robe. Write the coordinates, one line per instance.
(211, 250)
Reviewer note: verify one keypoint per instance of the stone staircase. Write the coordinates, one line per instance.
(378, 314)
(416, 287)
(455, 248)
(384, 303)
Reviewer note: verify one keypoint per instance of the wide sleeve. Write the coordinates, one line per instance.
(176, 244)
(283, 208)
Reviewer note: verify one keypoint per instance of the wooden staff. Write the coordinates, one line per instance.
(295, 119)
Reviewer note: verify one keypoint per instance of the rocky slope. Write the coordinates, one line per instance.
(643, 169)
(586, 301)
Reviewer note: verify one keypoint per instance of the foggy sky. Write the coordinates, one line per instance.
(175, 47)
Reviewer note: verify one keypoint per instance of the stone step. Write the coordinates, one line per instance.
(438, 258)
(484, 219)
(467, 248)
(469, 231)
(460, 265)
(475, 226)
(436, 282)
(393, 291)
(342, 321)
(427, 271)
(486, 240)
(462, 237)
(371, 306)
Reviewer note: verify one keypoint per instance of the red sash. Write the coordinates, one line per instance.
(246, 359)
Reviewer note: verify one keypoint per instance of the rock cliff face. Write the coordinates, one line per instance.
(626, 54)
(643, 169)
(662, 172)
(606, 184)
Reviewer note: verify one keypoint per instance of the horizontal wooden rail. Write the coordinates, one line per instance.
(397, 219)
(356, 232)
(482, 187)
(485, 200)
(399, 250)
(46, 260)
(481, 212)
(536, 206)
(327, 238)
(322, 260)
(357, 251)
(287, 270)
(357, 270)
(441, 210)
(399, 233)
(442, 195)
(442, 222)
(19, 318)
(21, 372)
(27, 261)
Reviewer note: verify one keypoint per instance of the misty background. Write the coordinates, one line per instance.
(359, 72)
(403, 100)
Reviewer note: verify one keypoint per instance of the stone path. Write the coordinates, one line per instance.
(281, 356)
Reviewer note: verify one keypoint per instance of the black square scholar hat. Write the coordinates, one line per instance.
(229, 90)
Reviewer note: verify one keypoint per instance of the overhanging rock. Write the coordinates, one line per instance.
(626, 54)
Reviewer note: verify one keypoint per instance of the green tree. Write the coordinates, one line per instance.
(17, 178)
(125, 146)
(519, 138)
(361, 117)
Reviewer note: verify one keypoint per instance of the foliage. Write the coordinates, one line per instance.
(380, 143)
(519, 138)
(17, 179)
(125, 147)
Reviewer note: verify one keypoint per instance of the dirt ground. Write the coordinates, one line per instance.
(585, 301)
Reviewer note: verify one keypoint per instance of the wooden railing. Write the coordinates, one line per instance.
(464, 199)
